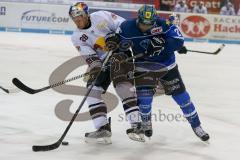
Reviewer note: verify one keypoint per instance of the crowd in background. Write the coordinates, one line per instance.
(227, 7)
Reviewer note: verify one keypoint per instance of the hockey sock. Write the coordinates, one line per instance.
(97, 108)
(145, 98)
(188, 108)
(129, 100)
(131, 109)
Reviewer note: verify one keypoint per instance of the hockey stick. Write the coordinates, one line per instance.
(213, 53)
(29, 90)
(11, 90)
(5, 90)
(55, 145)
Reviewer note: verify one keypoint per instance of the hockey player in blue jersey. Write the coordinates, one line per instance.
(158, 39)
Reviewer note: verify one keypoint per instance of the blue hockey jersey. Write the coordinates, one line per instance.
(170, 33)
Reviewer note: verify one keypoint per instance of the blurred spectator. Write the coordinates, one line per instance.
(223, 3)
(181, 6)
(238, 11)
(166, 5)
(200, 8)
(228, 9)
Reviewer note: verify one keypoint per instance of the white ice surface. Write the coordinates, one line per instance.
(25, 120)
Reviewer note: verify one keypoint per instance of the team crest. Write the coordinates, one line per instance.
(148, 15)
(144, 43)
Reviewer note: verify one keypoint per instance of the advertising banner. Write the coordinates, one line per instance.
(210, 27)
(35, 16)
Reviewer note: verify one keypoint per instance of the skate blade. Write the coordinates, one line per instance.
(105, 140)
(136, 137)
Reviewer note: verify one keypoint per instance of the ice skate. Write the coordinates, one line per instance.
(147, 127)
(102, 135)
(136, 132)
(201, 133)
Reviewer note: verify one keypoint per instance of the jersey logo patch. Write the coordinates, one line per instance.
(100, 44)
(157, 30)
(144, 43)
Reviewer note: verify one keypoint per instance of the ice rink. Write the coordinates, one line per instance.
(26, 120)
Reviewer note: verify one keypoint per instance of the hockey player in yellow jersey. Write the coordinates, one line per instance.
(89, 39)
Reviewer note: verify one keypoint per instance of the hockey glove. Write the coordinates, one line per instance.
(112, 40)
(183, 50)
(156, 46)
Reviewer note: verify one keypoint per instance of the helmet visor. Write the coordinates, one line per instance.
(76, 13)
(146, 22)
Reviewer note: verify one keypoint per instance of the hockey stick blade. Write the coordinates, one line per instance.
(5, 90)
(47, 147)
(219, 49)
(213, 53)
(22, 86)
(25, 88)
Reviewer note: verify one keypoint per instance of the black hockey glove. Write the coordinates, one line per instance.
(112, 40)
(95, 75)
(183, 50)
(156, 46)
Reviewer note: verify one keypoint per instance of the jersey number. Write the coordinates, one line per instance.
(84, 38)
(178, 32)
